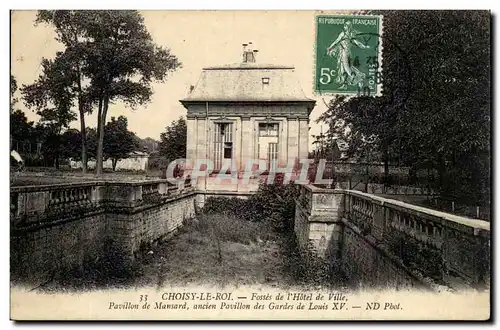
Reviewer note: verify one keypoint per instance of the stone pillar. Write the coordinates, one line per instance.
(283, 143)
(237, 142)
(303, 138)
(246, 142)
(192, 138)
(123, 195)
(255, 137)
(293, 137)
(325, 225)
(201, 139)
(319, 217)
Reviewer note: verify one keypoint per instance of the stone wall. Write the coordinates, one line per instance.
(202, 196)
(383, 242)
(58, 228)
(143, 226)
(40, 253)
(315, 225)
(366, 265)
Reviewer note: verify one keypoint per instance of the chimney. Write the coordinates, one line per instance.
(245, 53)
(254, 55)
(249, 54)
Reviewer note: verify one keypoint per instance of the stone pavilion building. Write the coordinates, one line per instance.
(245, 111)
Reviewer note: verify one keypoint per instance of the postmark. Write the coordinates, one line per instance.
(348, 55)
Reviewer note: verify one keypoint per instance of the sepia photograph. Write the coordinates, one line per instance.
(250, 165)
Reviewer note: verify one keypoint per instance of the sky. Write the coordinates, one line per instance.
(199, 39)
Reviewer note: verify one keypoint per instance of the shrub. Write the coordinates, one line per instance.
(276, 204)
(227, 228)
(33, 160)
(307, 268)
(226, 205)
(273, 204)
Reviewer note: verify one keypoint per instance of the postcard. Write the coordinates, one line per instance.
(250, 165)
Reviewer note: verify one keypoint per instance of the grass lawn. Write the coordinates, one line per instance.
(46, 176)
(217, 250)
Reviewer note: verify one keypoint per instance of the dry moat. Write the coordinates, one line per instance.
(211, 250)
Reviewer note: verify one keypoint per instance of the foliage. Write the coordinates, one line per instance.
(435, 109)
(68, 25)
(116, 54)
(124, 61)
(22, 132)
(148, 144)
(224, 227)
(173, 141)
(273, 204)
(307, 268)
(20, 128)
(276, 203)
(50, 97)
(92, 142)
(13, 89)
(119, 140)
(33, 160)
(71, 144)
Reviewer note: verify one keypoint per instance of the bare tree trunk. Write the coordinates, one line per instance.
(113, 163)
(83, 135)
(100, 145)
(98, 167)
(83, 132)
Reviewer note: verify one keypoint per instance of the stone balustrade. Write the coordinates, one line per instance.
(46, 202)
(374, 240)
(55, 228)
(32, 204)
(378, 188)
(378, 240)
(447, 248)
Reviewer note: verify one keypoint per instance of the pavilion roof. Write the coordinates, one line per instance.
(248, 82)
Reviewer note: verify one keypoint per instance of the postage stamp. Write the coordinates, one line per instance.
(348, 55)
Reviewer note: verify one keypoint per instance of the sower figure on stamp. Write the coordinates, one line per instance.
(347, 72)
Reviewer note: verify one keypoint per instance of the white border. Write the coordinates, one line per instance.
(197, 4)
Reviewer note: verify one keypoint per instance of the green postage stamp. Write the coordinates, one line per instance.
(348, 55)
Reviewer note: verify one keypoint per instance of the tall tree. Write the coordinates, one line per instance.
(119, 142)
(13, 89)
(21, 130)
(69, 27)
(70, 144)
(173, 141)
(113, 51)
(122, 61)
(435, 110)
(92, 142)
(50, 97)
